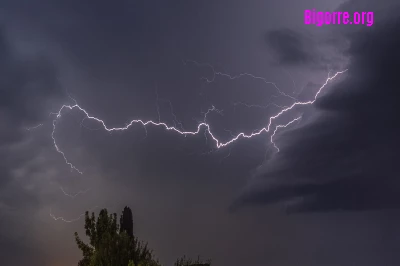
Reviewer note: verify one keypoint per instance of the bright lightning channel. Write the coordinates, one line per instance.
(204, 124)
(282, 126)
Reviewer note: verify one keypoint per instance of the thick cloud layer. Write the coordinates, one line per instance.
(291, 47)
(345, 158)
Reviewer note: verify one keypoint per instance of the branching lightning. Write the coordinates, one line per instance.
(282, 126)
(202, 125)
(217, 73)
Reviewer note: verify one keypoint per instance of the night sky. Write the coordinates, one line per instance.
(330, 196)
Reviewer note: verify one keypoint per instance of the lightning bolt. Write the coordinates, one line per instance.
(290, 76)
(33, 128)
(175, 119)
(282, 126)
(73, 196)
(60, 218)
(218, 144)
(217, 73)
(55, 143)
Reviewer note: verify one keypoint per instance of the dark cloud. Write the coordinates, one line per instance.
(299, 48)
(344, 158)
(291, 47)
(26, 87)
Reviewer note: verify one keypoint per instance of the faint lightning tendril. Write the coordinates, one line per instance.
(225, 157)
(175, 119)
(56, 146)
(157, 106)
(216, 73)
(257, 106)
(33, 128)
(230, 132)
(74, 195)
(72, 220)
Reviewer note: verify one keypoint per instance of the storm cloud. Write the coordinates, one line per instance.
(291, 47)
(27, 85)
(344, 158)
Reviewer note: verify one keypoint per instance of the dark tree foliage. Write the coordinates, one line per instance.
(111, 246)
(126, 222)
(140, 249)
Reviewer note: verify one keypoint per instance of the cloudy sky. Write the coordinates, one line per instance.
(328, 197)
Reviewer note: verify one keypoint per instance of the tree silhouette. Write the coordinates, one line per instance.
(110, 245)
(126, 222)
